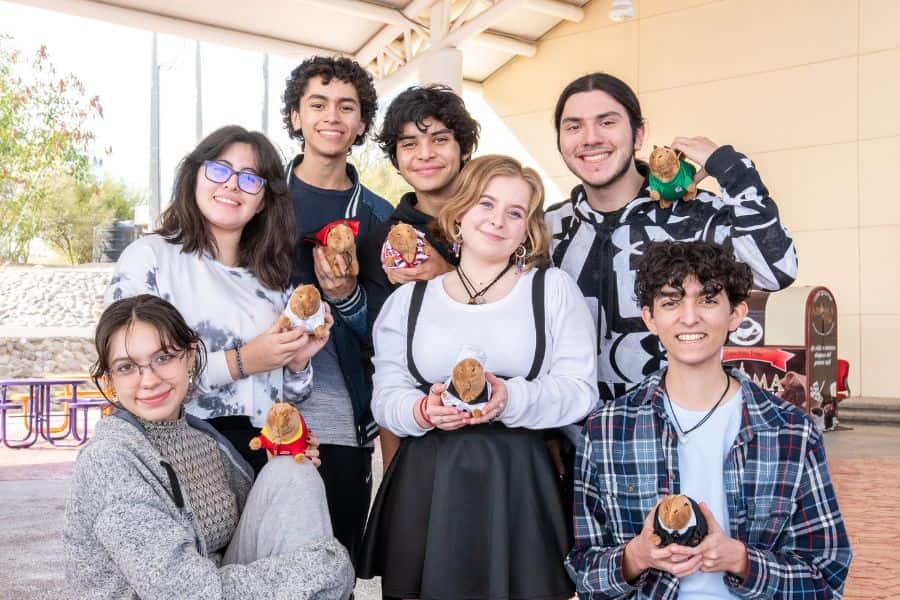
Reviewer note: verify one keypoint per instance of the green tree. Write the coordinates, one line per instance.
(378, 174)
(44, 135)
(74, 207)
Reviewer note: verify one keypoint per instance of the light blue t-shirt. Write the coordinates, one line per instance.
(701, 458)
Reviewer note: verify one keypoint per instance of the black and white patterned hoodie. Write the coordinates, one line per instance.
(601, 250)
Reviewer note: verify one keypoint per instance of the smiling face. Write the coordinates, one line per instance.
(428, 160)
(595, 138)
(224, 206)
(497, 223)
(692, 325)
(153, 394)
(329, 117)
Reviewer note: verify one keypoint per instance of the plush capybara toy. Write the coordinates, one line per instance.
(678, 520)
(404, 239)
(670, 177)
(284, 433)
(305, 310)
(468, 382)
(340, 250)
(403, 247)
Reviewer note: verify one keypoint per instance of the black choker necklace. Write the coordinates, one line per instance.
(476, 296)
(705, 418)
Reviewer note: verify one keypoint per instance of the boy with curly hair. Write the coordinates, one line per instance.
(329, 105)
(755, 464)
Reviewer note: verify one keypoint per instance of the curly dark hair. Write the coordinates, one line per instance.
(416, 105)
(670, 263)
(267, 240)
(328, 67)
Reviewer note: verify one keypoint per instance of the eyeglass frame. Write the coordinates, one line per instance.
(232, 172)
(140, 368)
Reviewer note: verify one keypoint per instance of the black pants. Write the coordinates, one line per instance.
(238, 430)
(347, 473)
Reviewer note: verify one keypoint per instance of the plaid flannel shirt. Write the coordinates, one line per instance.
(781, 503)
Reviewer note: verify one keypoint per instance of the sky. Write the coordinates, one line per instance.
(114, 62)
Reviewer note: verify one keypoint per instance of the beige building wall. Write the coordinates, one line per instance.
(809, 89)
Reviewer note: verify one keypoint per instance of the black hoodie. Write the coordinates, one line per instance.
(378, 288)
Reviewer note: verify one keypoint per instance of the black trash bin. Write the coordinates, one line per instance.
(110, 240)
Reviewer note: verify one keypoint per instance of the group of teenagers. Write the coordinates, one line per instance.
(601, 321)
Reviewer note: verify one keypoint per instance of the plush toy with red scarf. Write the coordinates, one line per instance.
(339, 240)
(284, 434)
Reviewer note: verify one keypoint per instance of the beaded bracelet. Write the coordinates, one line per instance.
(422, 412)
(242, 374)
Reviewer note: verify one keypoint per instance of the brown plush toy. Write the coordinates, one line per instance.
(672, 522)
(340, 250)
(402, 238)
(468, 382)
(670, 177)
(403, 247)
(305, 303)
(284, 433)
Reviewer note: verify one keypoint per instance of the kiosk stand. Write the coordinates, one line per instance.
(787, 344)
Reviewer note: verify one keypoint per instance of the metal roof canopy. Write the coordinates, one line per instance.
(390, 38)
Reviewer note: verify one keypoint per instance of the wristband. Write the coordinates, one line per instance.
(421, 406)
(242, 374)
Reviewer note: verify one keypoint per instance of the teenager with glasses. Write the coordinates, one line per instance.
(161, 505)
(222, 256)
(470, 507)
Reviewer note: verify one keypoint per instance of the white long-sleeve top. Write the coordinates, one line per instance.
(226, 306)
(565, 389)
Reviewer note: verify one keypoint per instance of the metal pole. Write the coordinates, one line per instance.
(199, 85)
(154, 136)
(265, 101)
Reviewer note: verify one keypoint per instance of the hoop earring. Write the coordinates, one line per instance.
(521, 253)
(457, 239)
(192, 380)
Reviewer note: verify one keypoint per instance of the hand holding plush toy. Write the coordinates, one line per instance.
(305, 309)
(468, 388)
(284, 434)
(671, 178)
(404, 247)
(340, 250)
(678, 520)
(338, 242)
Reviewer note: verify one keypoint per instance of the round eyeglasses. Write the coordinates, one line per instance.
(164, 365)
(219, 172)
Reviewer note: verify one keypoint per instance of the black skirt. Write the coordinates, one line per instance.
(469, 514)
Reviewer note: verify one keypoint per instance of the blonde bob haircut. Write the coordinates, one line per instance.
(469, 187)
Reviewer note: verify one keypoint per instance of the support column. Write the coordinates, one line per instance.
(443, 66)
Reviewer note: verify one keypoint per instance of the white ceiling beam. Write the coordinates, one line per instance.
(555, 8)
(367, 53)
(365, 10)
(150, 21)
(505, 44)
(466, 32)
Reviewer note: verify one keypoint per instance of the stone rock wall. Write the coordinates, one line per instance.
(22, 357)
(47, 318)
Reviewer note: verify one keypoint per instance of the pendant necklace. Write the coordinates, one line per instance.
(476, 296)
(684, 434)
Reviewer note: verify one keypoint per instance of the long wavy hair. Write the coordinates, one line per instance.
(267, 240)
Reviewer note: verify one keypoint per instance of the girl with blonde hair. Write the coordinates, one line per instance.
(470, 507)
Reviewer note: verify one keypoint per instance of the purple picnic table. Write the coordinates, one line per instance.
(40, 404)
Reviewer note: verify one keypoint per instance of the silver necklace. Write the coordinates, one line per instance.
(684, 434)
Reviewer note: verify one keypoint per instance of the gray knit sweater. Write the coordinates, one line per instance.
(130, 533)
